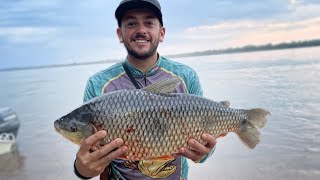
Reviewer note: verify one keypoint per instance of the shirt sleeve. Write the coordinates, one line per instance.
(194, 84)
(89, 91)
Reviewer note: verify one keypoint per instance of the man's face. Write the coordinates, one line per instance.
(141, 33)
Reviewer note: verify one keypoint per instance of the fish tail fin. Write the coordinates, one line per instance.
(258, 117)
(250, 135)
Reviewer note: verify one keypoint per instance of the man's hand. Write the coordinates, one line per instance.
(91, 164)
(197, 151)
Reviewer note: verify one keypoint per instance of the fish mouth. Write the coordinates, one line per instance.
(57, 126)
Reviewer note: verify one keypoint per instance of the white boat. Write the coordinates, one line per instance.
(9, 126)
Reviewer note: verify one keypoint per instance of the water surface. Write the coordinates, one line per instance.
(286, 82)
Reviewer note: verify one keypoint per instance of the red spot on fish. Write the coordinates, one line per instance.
(156, 68)
(101, 126)
(222, 135)
(122, 157)
(130, 129)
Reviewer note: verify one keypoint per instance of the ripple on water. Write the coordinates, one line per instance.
(313, 149)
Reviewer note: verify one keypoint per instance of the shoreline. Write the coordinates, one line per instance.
(244, 49)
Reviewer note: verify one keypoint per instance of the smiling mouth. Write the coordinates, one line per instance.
(141, 40)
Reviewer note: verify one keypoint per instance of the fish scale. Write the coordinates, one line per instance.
(154, 122)
(156, 128)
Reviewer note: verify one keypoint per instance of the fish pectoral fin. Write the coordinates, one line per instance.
(123, 157)
(163, 158)
(165, 86)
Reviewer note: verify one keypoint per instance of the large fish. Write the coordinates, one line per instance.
(153, 122)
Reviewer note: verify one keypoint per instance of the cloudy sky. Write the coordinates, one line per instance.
(42, 32)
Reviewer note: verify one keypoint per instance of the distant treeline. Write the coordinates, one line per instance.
(248, 48)
(251, 48)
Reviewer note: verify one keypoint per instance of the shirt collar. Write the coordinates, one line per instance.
(151, 71)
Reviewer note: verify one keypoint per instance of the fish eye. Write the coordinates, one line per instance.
(73, 129)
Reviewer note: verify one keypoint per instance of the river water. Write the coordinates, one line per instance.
(286, 82)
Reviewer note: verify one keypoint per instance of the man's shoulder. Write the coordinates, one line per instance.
(108, 73)
(97, 82)
(177, 67)
(186, 73)
(171, 62)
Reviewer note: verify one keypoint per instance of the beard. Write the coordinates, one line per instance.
(142, 55)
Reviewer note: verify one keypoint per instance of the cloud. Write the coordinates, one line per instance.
(27, 34)
(270, 25)
(85, 30)
(302, 23)
(280, 32)
(294, 2)
(240, 33)
(304, 10)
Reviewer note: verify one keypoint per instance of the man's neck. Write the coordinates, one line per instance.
(143, 64)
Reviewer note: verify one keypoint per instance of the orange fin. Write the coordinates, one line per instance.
(163, 158)
(122, 157)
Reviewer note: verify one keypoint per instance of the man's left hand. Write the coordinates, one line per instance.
(197, 151)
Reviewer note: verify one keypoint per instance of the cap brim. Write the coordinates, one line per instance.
(123, 8)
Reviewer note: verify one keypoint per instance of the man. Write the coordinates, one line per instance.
(140, 30)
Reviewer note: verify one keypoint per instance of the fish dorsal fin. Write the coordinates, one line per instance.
(225, 103)
(165, 86)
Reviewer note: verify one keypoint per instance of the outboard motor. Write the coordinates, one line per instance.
(9, 126)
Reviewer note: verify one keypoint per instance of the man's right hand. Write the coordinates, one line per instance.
(91, 164)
